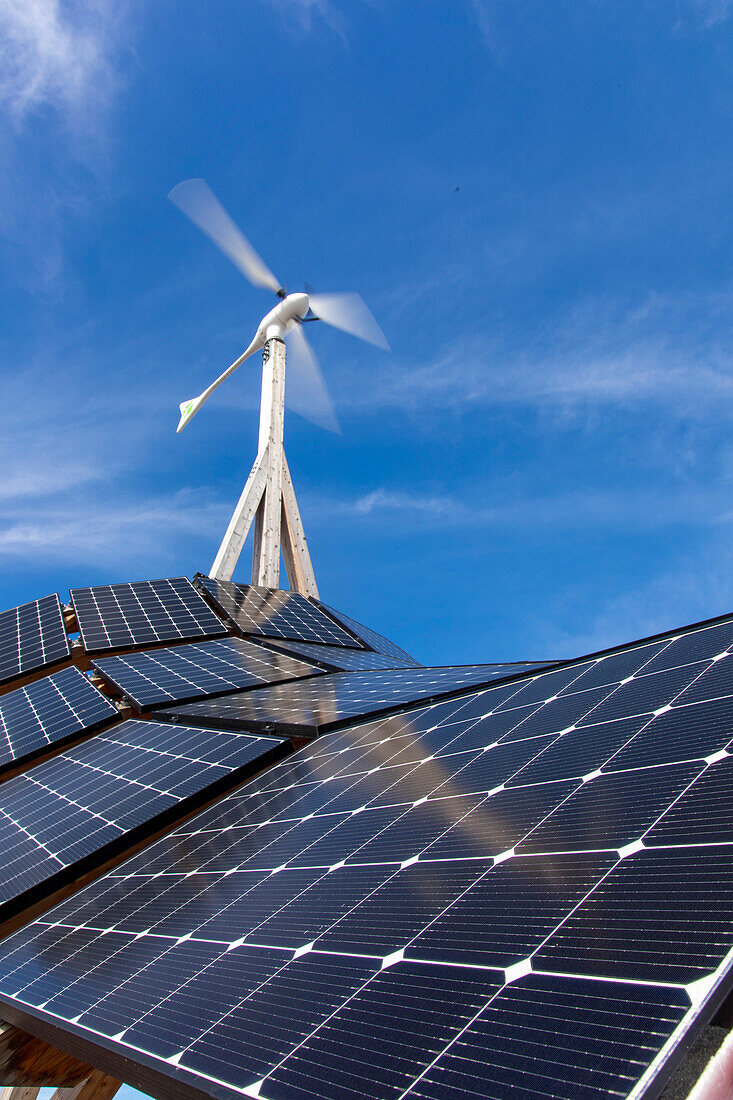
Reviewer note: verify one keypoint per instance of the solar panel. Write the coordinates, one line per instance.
(336, 658)
(122, 616)
(369, 637)
(273, 612)
(304, 708)
(341, 659)
(32, 636)
(48, 711)
(75, 805)
(418, 906)
(152, 677)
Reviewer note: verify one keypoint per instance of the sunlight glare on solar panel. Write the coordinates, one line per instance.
(418, 898)
(152, 677)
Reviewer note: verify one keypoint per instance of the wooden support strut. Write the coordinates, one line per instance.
(268, 499)
(28, 1064)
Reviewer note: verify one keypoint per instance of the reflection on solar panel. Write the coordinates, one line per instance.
(339, 658)
(76, 804)
(121, 616)
(48, 711)
(273, 613)
(375, 641)
(32, 636)
(205, 668)
(324, 702)
(447, 902)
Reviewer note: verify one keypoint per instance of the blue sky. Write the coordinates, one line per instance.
(535, 200)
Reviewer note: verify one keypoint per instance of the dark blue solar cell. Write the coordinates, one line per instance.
(156, 676)
(323, 702)
(273, 613)
(48, 711)
(32, 636)
(122, 616)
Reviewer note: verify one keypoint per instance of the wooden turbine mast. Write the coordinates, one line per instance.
(268, 499)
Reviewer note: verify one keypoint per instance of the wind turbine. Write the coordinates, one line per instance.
(268, 497)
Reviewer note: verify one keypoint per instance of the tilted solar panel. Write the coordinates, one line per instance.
(32, 636)
(75, 805)
(418, 906)
(122, 616)
(49, 711)
(309, 706)
(370, 637)
(273, 613)
(152, 677)
(337, 658)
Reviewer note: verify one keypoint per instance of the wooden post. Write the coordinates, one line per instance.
(98, 1086)
(268, 499)
(295, 548)
(271, 427)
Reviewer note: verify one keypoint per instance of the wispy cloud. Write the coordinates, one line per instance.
(600, 355)
(302, 15)
(107, 530)
(630, 508)
(57, 55)
(694, 587)
(708, 13)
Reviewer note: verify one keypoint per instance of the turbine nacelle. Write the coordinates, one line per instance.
(288, 312)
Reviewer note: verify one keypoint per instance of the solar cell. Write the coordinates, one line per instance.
(479, 917)
(340, 659)
(73, 806)
(152, 677)
(48, 711)
(32, 636)
(326, 701)
(122, 616)
(369, 637)
(273, 612)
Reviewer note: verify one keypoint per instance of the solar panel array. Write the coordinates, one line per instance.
(122, 616)
(309, 706)
(273, 613)
(75, 804)
(149, 678)
(525, 890)
(337, 658)
(47, 711)
(32, 637)
(370, 637)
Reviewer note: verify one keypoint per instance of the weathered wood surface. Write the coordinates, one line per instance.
(98, 1086)
(27, 1061)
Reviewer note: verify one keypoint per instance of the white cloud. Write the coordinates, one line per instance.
(99, 531)
(708, 12)
(302, 15)
(673, 354)
(56, 54)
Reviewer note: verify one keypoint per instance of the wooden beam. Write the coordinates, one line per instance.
(247, 508)
(98, 1086)
(27, 1062)
(273, 390)
(295, 548)
(19, 1092)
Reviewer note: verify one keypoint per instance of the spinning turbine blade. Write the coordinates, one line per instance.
(349, 313)
(305, 389)
(197, 201)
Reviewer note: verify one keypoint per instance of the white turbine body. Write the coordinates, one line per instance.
(274, 326)
(268, 499)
